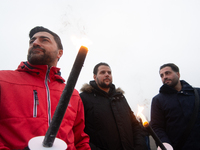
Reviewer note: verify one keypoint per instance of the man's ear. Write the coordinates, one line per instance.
(178, 74)
(60, 53)
(95, 76)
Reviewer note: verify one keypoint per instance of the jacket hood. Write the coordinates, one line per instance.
(88, 88)
(40, 69)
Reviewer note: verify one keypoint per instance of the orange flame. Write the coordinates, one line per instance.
(141, 116)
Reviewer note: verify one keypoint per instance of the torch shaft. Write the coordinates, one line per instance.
(155, 137)
(65, 98)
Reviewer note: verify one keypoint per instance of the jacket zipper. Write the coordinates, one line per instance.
(36, 102)
(48, 96)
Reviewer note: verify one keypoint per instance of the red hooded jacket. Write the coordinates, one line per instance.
(28, 99)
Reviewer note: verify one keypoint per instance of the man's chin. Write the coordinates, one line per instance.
(108, 84)
(167, 84)
(105, 85)
(36, 61)
(35, 58)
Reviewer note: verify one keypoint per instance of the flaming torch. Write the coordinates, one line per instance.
(65, 98)
(148, 128)
(48, 142)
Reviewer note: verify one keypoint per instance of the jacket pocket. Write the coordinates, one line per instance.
(35, 103)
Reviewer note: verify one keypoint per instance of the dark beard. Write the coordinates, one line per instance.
(36, 60)
(103, 85)
(39, 59)
(174, 83)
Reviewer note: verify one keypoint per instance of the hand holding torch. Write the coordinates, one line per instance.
(62, 105)
(149, 129)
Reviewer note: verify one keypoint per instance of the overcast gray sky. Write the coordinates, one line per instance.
(135, 37)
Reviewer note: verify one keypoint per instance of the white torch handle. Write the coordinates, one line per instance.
(167, 146)
(36, 144)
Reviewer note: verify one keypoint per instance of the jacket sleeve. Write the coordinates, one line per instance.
(3, 147)
(138, 135)
(158, 120)
(81, 138)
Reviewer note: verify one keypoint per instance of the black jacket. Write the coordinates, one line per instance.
(170, 113)
(109, 121)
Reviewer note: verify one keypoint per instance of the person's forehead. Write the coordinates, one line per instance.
(165, 69)
(43, 34)
(102, 67)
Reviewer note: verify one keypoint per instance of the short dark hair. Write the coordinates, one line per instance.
(42, 29)
(97, 66)
(172, 65)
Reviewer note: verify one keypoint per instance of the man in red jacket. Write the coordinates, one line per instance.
(29, 96)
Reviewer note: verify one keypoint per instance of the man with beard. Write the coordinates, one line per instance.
(109, 121)
(172, 109)
(29, 96)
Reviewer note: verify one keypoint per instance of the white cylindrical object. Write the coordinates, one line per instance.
(36, 144)
(167, 146)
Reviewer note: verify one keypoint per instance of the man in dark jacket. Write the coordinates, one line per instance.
(110, 123)
(171, 111)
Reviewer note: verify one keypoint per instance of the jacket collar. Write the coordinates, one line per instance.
(54, 72)
(95, 86)
(92, 86)
(169, 90)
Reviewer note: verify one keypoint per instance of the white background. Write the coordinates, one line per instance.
(135, 37)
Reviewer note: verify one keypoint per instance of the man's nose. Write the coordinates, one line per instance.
(36, 42)
(107, 74)
(164, 77)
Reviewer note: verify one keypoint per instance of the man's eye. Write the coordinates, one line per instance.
(45, 40)
(102, 72)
